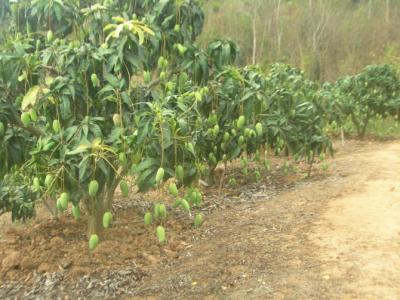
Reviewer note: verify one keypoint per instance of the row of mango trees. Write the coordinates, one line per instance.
(95, 93)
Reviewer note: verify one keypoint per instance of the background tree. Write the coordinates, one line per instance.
(348, 35)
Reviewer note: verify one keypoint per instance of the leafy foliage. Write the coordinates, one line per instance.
(17, 196)
(373, 92)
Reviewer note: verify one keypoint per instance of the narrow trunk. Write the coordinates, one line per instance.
(254, 38)
(51, 206)
(211, 176)
(342, 135)
(387, 11)
(369, 9)
(356, 124)
(278, 30)
(96, 207)
(109, 197)
(95, 225)
(364, 128)
(310, 167)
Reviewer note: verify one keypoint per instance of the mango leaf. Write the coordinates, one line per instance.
(146, 164)
(80, 149)
(83, 169)
(30, 97)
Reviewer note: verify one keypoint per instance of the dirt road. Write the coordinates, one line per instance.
(359, 234)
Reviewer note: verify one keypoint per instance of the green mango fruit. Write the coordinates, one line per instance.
(33, 115)
(160, 62)
(50, 36)
(163, 76)
(65, 197)
(162, 210)
(177, 203)
(56, 126)
(93, 241)
(181, 49)
(2, 129)
(76, 212)
(160, 232)
(190, 147)
(226, 137)
(93, 188)
(157, 210)
(215, 130)
(197, 198)
(198, 96)
(241, 140)
(185, 205)
(179, 173)
(148, 219)
(146, 77)
(25, 119)
(62, 204)
(95, 80)
(241, 122)
(117, 120)
(107, 219)
(198, 220)
(212, 159)
(160, 175)
(48, 180)
(123, 185)
(173, 189)
(36, 183)
(259, 129)
(59, 205)
(122, 158)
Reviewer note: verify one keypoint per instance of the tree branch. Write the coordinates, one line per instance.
(17, 121)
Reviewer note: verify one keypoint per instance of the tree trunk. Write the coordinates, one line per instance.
(95, 225)
(356, 124)
(369, 9)
(278, 29)
(211, 175)
(109, 195)
(96, 207)
(342, 134)
(95, 210)
(254, 38)
(364, 128)
(387, 11)
(310, 166)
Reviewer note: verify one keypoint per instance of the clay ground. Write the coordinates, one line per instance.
(335, 235)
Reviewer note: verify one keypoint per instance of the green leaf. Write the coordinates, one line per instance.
(112, 80)
(80, 149)
(147, 163)
(83, 169)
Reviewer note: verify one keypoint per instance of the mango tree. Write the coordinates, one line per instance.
(95, 92)
(373, 92)
(77, 82)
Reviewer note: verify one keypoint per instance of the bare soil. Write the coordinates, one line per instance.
(335, 235)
